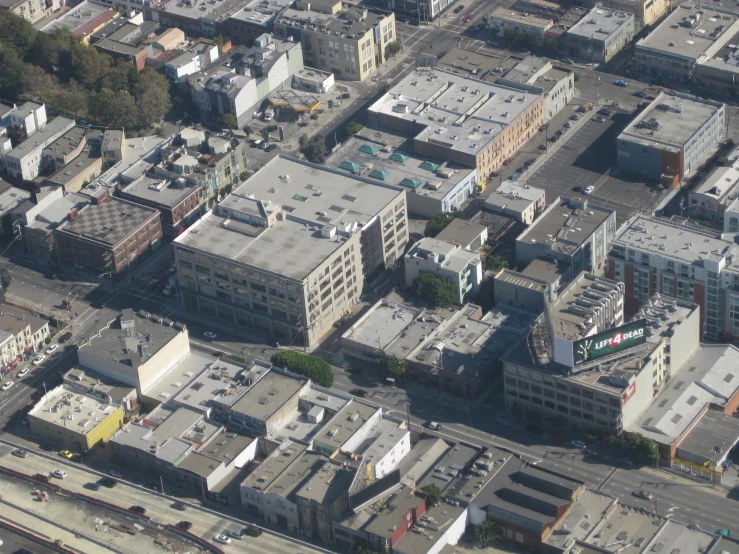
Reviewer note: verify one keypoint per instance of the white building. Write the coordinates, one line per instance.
(601, 34)
(388, 450)
(21, 334)
(446, 260)
(717, 195)
(25, 160)
(191, 60)
(313, 80)
(506, 19)
(523, 202)
(22, 120)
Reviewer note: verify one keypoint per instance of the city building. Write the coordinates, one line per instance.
(108, 238)
(194, 59)
(25, 161)
(79, 172)
(111, 149)
(254, 18)
(653, 255)
(447, 261)
(646, 12)
(518, 290)
(74, 420)
(601, 34)
(687, 38)
(522, 202)
(465, 234)
(566, 22)
(244, 78)
(572, 231)
(10, 198)
(20, 122)
(82, 20)
(346, 431)
(514, 22)
(21, 335)
(348, 41)
(63, 150)
(671, 137)
(474, 64)
(461, 120)
(313, 80)
(539, 75)
(432, 185)
(289, 250)
(92, 383)
(712, 199)
(30, 10)
(421, 11)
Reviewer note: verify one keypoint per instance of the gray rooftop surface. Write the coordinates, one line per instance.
(223, 448)
(158, 190)
(416, 543)
(391, 512)
(715, 429)
(545, 269)
(34, 141)
(73, 169)
(639, 528)
(522, 280)
(335, 24)
(571, 318)
(96, 383)
(79, 412)
(512, 195)
(588, 509)
(268, 395)
(464, 62)
(67, 142)
(673, 128)
(330, 481)
(526, 19)
(304, 192)
(345, 423)
(79, 16)
(260, 12)
(600, 23)
(460, 231)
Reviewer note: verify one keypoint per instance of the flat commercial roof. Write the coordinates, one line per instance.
(40, 137)
(422, 459)
(454, 111)
(164, 192)
(222, 449)
(714, 429)
(268, 395)
(82, 15)
(74, 410)
(469, 62)
(600, 23)
(271, 469)
(442, 516)
(330, 481)
(311, 197)
(589, 508)
(98, 384)
(571, 312)
(88, 160)
(630, 529)
(513, 196)
(681, 243)
(507, 14)
(451, 256)
(345, 423)
(260, 12)
(334, 24)
(462, 232)
(110, 222)
(565, 224)
(549, 270)
(66, 143)
(384, 519)
(692, 42)
(670, 121)
(210, 380)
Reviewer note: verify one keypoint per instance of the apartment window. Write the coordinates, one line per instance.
(202, 269)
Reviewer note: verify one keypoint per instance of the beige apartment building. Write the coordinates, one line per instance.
(348, 42)
(646, 12)
(290, 250)
(30, 10)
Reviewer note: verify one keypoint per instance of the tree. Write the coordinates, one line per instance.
(392, 365)
(17, 32)
(11, 76)
(352, 128)
(248, 130)
(639, 447)
(436, 224)
(243, 176)
(152, 97)
(362, 549)
(47, 340)
(437, 291)
(576, 76)
(313, 367)
(532, 41)
(393, 48)
(330, 104)
(229, 121)
(237, 359)
(432, 493)
(509, 35)
(488, 533)
(495, 263)
(5, 278)
(550, 46)
(313, 148)
(265, 134)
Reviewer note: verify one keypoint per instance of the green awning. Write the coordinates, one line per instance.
(367, 149)
(382, 175)
(349, 166)
(411, 183)
(429, 165)
(396, 157)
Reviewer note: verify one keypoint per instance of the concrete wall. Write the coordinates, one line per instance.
(67, 436)
(684, 342)
(160, 363)
(361, 433)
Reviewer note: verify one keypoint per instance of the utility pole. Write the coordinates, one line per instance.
(161, 484)
(597, 90)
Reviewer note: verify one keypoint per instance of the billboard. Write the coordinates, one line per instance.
(610, 342)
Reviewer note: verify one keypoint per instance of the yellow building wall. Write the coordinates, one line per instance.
(69, 438)
(106, 428)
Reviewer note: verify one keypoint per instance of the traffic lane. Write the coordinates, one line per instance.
(160, 507)
(13, 543)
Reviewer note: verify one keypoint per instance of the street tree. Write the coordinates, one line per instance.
(495, 263)
(313, 367)
(436, 291)
(352, 128)
(438, 221)
(229, 121)
(392, 365)
(488, 533)
(5, 278)
(393, 48)
(314, 148)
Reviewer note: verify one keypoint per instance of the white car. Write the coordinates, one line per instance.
(37, 361)
(578, 443)
(209, 335)
(22, 373)
(223, 539)
(588, 190)
(236, 534)
(52, 349)
(7, 385)
(59, 474)
(433, 426)
(116, 473)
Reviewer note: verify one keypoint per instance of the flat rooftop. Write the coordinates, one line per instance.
(382, 518)
(56, 125)
(662, 314)
(461, 232)
(682, 243)
(571, 313)
(85, 162)
(330, 482)
(79, 17)
(600, 23)
(66, 143)
(260, 12)
(437, 519)
(510, 195)
(389, 158)
(312, 198)
(451, 257)
(714, 429)
(670, 121)
(157, 190)
(108, 223)
(692, 42)
(469, 62)
(177, 380)
(708, 376)
(456, 458)
(345, 423)
(348, 21)
(525, 19)
(522, 280)
(589, 508)
(74, 410)
(549, 270)
(97, 384)
(222, 449)
(421, 460)
(565, 224)
(269, 471)
(630, 529)
(268, 395)
(454, 111)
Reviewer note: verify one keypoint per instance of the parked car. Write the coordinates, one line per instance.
(65, 337)
(515, 176)
(59, 474)
(599, 119)
(578, 443)
(570, 124)
(66, 454)
(92, 486)
(528, 163)
(575, 116)
(643, 494)
(238, 535)
(179, 506)
(7, 385)
(620, 83)
(209, 335)
(20, 452)
(138, 510)
(23, 372)
(458, 9)
(271, 146)
(223, 539)
(433, 426)
(588, 190)
(606, 112)
(184, 525)
(508, 161)
(361, 393)
(567, 60)
(345, 95)
(252, 530)
(108, 482)
(38, 360)
(467, 19)
(53, 348)
(256, 142)
(390, 381)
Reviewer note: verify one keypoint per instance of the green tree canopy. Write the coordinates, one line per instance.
(432, 493)
(5, 278)
(496, 263)
(392, 49)
(313, 367)
(436, 224)
(352, 128)
(392, 365)
(437, 291)
(313, 148)
(488, 533)
(639, 447)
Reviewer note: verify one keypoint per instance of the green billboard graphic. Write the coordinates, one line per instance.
(609, 342)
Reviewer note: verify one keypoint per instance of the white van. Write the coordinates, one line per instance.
(268, 113)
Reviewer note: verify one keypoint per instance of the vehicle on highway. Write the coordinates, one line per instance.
(588, 190)
(66, 454)
(20, 452)
(179, 506)
(238, 535)
(223, 539)
(358, 392)
(643, 494)
(219, 354)
(108, 482)
(620, 83)
(210, 335)
(467, 19)
(138, 510)
(270, 147)
(53, 348)
(7, 385)
(116, 473)
(567, 60)
(433, 426)
(59, 474)
(578, 443)
(599, 119)
(606, 112)
(65, 337)
(390, 381)
(184, 525)
(38, 360)
(458, 9)
(23, 372)
(252, 530)
(92, 486)
(570, 124)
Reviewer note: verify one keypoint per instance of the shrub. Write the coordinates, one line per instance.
(313, 367)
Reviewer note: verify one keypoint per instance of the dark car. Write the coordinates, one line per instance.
(252, 530)
(358, 392)
(184, 525)
(65, 337)
(458, 9)
(46, 447)
(606, 112)
(520, 170)
(354, 370)
(219, 354)
(92, 486)
(179, 506)
(270, 147)
(137, 510)
(528, 163)
(108, 482)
